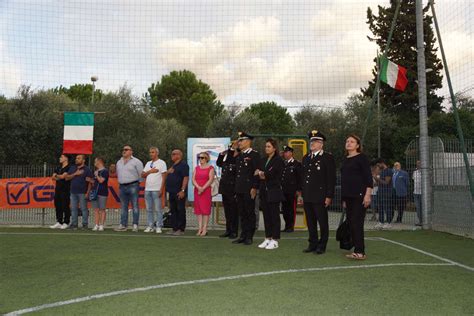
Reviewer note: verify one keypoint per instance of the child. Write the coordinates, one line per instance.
(101, 191)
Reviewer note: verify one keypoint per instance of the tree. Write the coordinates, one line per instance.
(403, 52)
(274, 118)
(180, 95)
(82, 93)
(229, 122)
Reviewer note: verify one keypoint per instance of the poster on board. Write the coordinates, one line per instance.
(213, 146)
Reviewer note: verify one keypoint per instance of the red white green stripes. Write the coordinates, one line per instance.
(393, 75)
(78, 133)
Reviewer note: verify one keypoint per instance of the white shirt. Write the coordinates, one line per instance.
(154, 180)
(417, 181)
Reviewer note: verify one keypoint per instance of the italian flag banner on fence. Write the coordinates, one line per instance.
(393, 75)
(78, 132)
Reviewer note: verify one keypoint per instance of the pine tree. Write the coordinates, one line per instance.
(403, 52)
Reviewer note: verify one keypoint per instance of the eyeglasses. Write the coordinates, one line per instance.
(126, 149)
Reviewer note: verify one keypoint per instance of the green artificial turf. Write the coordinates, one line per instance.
(37, 269)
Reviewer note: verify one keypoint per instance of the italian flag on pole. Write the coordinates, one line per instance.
(393, 75)
(78, 132)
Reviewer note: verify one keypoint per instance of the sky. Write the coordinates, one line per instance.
(292, 52)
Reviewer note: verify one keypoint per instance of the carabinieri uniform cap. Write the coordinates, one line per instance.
(244, 135)
(287, 149)
(316, 135)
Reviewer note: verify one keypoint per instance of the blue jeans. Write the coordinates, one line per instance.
(129, 194)
(153, 205)
(79, 199)
(417, 200)
(385, 207)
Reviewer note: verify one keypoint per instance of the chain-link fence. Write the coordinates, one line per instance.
(453, 209)
(46, 216)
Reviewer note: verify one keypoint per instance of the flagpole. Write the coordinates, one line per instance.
(379, 144)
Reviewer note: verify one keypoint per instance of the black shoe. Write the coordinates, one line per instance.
(289, 230)
(309, 249)
(248, 242)
(239, 241)
(320, 251)
(72, 227)
(224, 235)
(232, 236)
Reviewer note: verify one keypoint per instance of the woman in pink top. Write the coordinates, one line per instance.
(203, 176)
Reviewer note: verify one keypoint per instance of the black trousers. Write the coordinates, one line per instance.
(246, 210)
(271, 218)
(288, 208)
(178, 213)
(356, 217)
(400, 205)
(231, 215)
(62, 199)
(317, 213)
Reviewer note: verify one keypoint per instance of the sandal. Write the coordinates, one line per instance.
(199, 233)
(356, 256)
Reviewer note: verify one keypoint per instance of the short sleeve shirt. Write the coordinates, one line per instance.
(154, 180)
(62, 185)
(79, 183)
(102, 188)
(174, 179)
(386, 188)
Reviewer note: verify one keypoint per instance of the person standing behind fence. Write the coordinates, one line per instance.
(155, 176)
(271, 194)
(374, 204)
(81, 181)
(246, 185)
(291, 183)
(203, 176)
(400, 186)
(385, 195)
(176, 186)
(62, 192)
(226, 161)
(356, 192)
(101, 192)
(417, 192)
(318, 188)
(129, 171)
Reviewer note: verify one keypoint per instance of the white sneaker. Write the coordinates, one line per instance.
(387, 226)
(135, 228)
(379, 225)
(64, 226)
(56, 226)
(101, 228)
(96, 228)
(158, 230)
(272, 245)
(148, 229)
(265, 243)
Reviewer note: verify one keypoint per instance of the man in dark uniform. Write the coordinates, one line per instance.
(246, 184)
(291, 182)
(226, 161)
(318, 183)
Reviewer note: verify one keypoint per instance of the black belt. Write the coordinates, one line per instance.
(129, 183)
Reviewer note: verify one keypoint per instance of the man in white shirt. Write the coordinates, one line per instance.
(154, 174)
(417, 192)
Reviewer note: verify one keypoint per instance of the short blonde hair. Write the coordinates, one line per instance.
(204, 153)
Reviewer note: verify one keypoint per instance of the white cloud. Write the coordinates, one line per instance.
(10, 74)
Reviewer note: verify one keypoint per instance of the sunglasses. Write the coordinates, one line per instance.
(202, 157)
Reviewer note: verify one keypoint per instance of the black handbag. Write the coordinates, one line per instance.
(343, 233)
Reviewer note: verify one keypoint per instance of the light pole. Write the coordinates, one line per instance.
(93, 79)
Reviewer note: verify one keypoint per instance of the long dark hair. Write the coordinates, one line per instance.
(357, 138)
(274, 144)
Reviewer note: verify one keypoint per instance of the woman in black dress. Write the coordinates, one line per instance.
(356, 191)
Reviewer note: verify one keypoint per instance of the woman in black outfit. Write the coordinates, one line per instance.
(356, 191)
(271, 193)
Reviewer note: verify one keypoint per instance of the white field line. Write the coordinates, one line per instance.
(210, 280)
(150, 235)
(428, 254)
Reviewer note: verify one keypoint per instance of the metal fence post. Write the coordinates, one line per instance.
(43, 211)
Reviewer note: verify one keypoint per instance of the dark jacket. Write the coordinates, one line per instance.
(270, 188)
(319, 177)
(228, 172)
(291, 176)
(247, 163)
